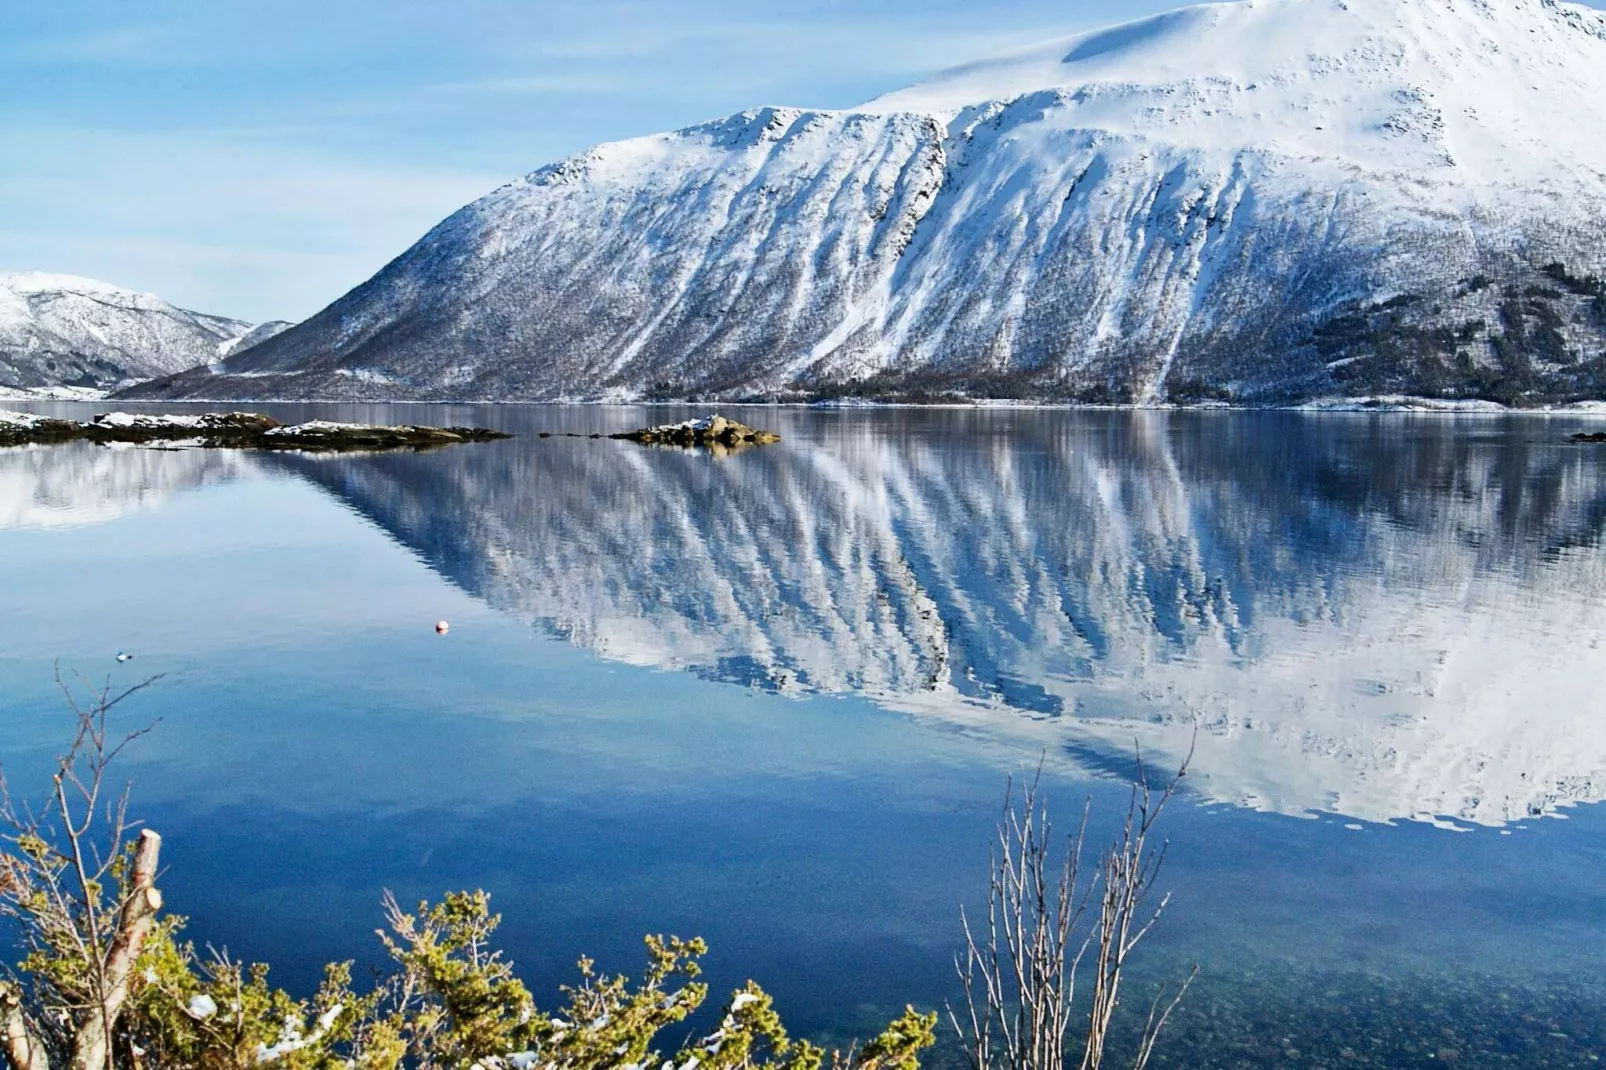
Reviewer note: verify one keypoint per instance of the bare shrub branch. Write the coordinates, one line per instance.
(1019, 974)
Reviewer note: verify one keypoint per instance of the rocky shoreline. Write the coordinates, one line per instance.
(233, 430)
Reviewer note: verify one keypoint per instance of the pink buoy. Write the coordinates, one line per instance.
(441, 627)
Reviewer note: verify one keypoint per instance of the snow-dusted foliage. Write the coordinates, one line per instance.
(1265, 201)
(58, 330)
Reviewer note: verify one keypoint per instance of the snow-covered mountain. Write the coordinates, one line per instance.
(1268, 200)
(62, 330)
(1383, 619)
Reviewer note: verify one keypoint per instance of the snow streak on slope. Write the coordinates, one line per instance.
(258, 334)
(1268, 200)
(1385, 621)
(64, 330)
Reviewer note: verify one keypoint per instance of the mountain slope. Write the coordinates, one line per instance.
(1269, 200)
(64, 330)
(255, 336)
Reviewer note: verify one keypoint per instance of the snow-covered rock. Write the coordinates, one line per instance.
(24, 421)
(63, 331)
(1269, 200)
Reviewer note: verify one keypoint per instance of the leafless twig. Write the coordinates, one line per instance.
(1019, 973)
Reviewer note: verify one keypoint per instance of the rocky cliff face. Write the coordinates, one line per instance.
(61, 330)
(1265, 201)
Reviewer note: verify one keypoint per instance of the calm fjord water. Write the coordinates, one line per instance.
(772, 698)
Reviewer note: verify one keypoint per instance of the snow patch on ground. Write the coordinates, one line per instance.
(371, 377)
(1401, 403)
(318, 427)
(145, 421)
(20, 419)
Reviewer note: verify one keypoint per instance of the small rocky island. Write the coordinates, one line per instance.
(709, 431)
(233, 430)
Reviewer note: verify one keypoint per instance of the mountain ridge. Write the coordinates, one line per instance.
(1266, 202)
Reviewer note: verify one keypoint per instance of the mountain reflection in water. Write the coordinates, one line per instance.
(1384, 617)
(1379, 616)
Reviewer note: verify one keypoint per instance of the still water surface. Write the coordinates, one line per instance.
(772, 698)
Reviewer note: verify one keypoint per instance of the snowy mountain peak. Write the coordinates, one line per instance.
(1266, 201)
(1268, 43)
(65, 330)
(1473, 82)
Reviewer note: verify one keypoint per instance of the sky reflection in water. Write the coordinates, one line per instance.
(1373, 619)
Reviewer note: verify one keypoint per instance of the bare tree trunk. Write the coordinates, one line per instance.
(92, 1045)
(22, 1047)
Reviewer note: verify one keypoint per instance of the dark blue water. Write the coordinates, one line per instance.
(772, 698)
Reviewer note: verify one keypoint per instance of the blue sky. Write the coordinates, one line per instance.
(257, 160)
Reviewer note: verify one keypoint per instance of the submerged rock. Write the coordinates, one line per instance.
(1590, 436)
(709, 431)
(233, 430)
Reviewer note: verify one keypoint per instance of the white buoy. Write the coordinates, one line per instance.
(441, 627)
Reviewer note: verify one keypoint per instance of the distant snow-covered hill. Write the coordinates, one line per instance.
(1266, 201)
(62, 330)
